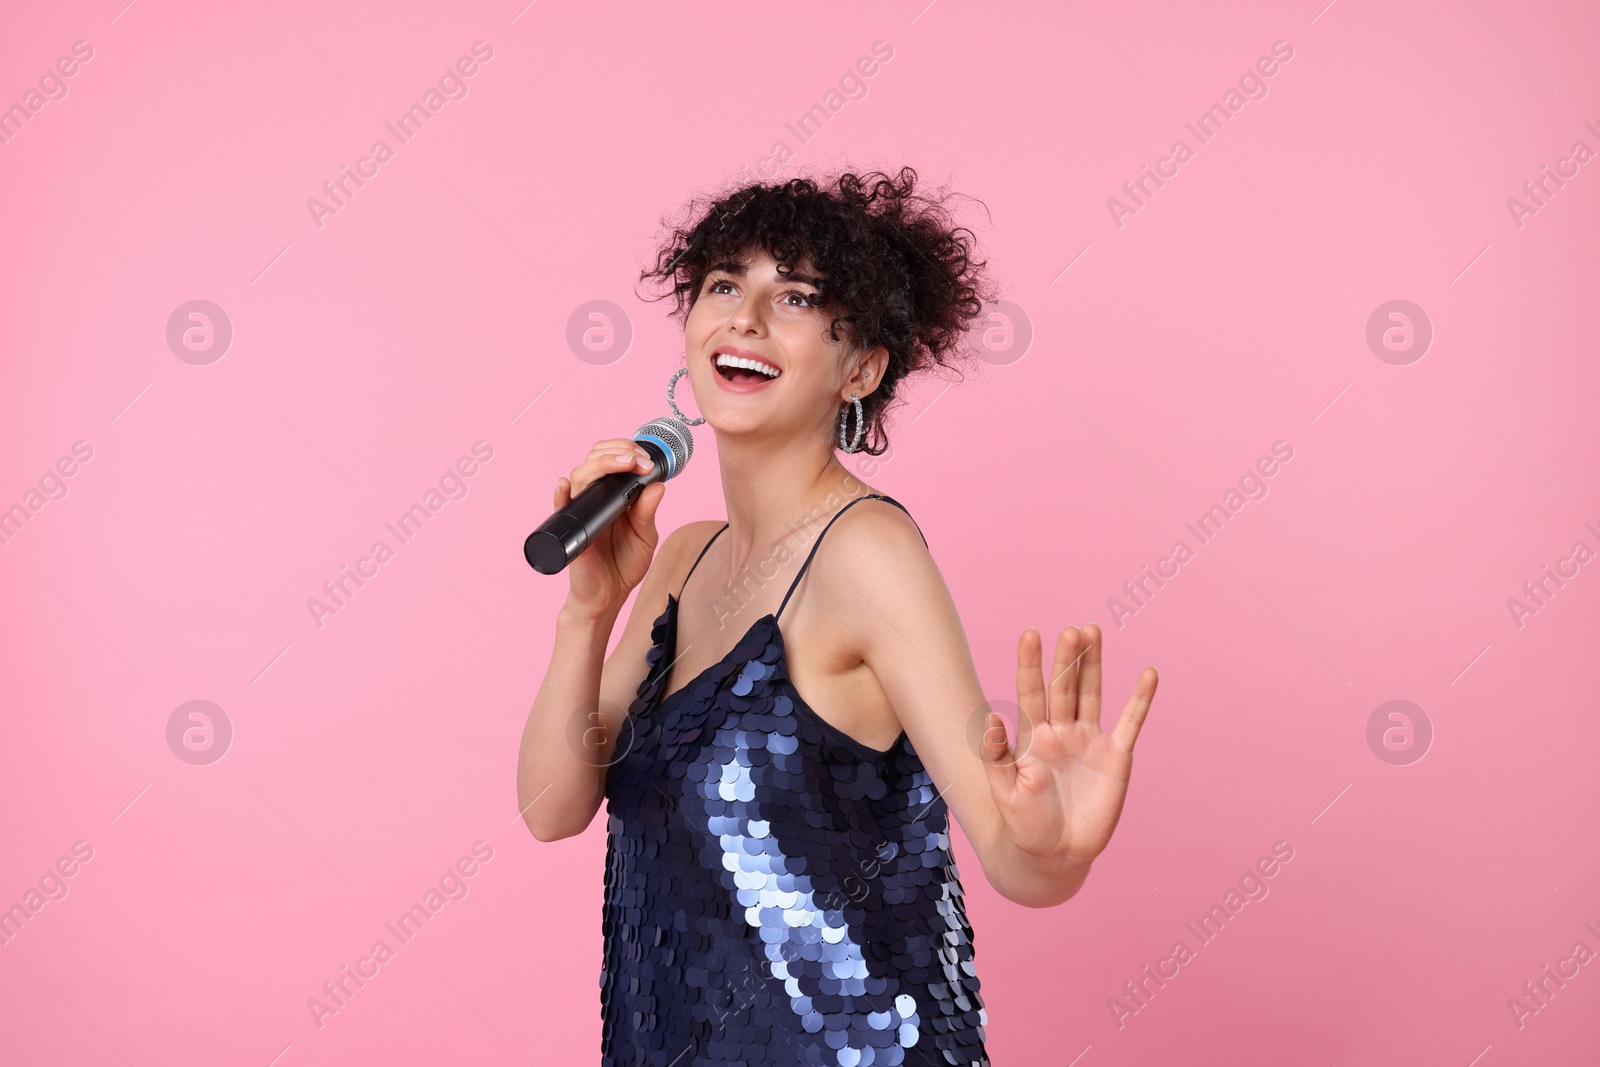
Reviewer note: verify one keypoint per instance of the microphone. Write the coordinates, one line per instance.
(564, 535)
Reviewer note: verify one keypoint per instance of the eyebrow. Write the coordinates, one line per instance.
(729, 266)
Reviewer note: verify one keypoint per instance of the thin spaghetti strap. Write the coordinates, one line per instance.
(818, 542)
(697, 560)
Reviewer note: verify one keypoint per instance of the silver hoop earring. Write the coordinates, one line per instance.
(861, 425)
(672, 400)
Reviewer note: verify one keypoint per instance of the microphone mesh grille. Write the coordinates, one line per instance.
(675, 435)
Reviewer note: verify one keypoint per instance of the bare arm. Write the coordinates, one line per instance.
(570, 736)
(571, 733)
(1038, 812)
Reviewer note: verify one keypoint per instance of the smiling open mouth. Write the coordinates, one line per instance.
(744, 371)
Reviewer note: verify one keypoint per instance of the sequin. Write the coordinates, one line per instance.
(775, 892)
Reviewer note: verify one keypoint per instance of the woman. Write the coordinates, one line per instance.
(779, 882)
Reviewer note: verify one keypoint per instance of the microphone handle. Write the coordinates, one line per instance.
(562, 537)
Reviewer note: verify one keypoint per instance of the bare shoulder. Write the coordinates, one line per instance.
(873, 523)
(875, 553)
(673, 554)
(678, 549)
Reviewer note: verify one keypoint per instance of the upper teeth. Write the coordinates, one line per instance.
(724, 359)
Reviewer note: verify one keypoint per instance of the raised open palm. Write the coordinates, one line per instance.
(1060, 789)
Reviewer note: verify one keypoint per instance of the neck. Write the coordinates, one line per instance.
(779, 491)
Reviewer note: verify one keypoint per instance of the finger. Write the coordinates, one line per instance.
(612, 444)
(1063, 704)
(634, 458)
(1132, 718)
(643, 512)
(563, 493)
(1030, 685)
(1089, 676)
(597, 466)
(587, 473)
(994, 750)
(606, 453)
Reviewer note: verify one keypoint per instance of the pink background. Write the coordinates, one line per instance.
(368, 354)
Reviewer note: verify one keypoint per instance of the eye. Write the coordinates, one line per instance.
(806, 299)
(712, 286)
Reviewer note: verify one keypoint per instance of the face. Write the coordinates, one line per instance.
(748, 312)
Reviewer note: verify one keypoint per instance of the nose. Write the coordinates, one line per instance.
(746, 318)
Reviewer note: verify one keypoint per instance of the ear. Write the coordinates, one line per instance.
(868, 375)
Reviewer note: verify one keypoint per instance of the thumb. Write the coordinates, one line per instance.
(999, 765)
(643, 512)
(993, 748)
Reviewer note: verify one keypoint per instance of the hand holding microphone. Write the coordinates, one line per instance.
(619, 475)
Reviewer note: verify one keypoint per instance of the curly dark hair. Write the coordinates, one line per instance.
(900, 273)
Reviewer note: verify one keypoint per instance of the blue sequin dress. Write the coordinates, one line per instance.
(776, 892)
